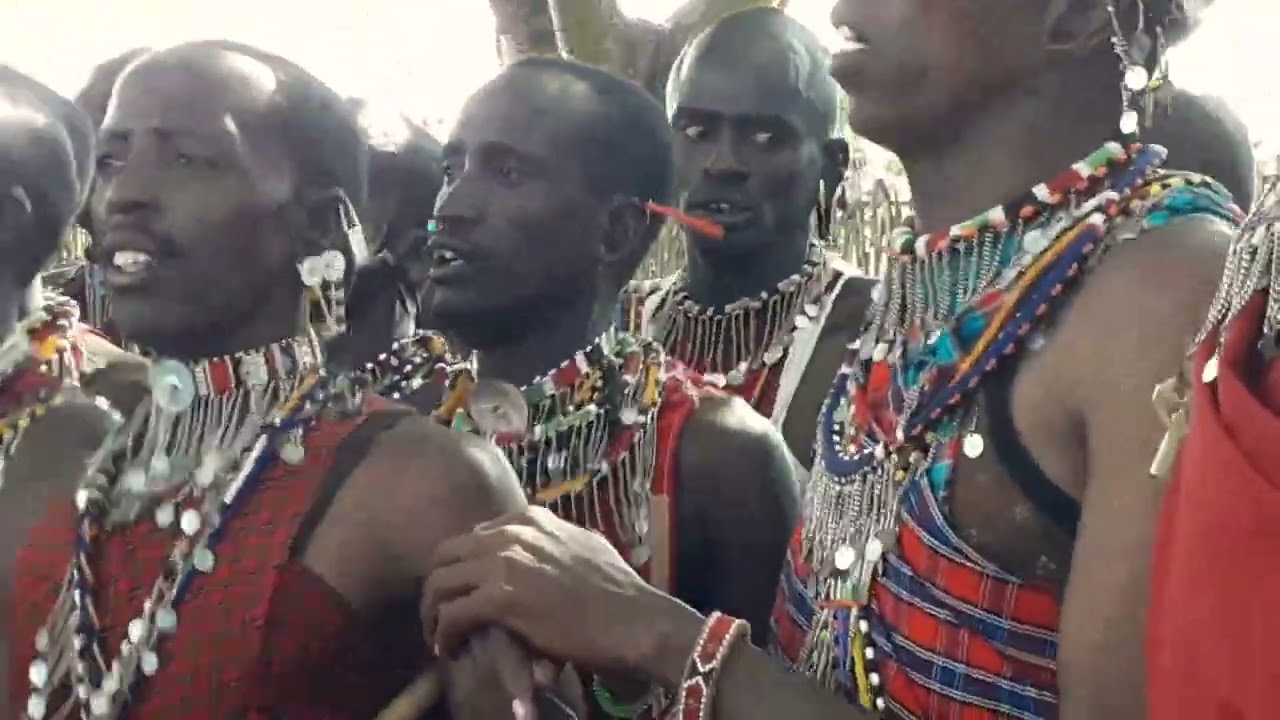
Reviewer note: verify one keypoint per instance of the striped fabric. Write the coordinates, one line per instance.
(956, 637)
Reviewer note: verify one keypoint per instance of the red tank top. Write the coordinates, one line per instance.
(261, 636)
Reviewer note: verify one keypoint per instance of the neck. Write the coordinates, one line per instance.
(1014, 141)
(544, 345)
(275, 322)
(716, 280)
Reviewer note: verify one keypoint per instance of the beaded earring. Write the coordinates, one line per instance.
(322, 276)
(1143, 68)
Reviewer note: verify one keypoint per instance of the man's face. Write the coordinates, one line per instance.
(913, 68)
(191, 184)
(519, 232)
(748, 151)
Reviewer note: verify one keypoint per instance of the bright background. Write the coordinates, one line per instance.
(426, 56)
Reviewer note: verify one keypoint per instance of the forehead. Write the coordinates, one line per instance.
(205, 91)
(533, 112)
(30, 142)
(767, 78)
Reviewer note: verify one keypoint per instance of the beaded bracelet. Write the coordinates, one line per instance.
(698, 688)
(615, 708)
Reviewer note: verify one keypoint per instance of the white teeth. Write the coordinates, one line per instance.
(131, 260)
(849, 38)
(446, 257)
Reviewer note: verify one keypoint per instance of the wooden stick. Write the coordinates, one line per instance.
(416, 700)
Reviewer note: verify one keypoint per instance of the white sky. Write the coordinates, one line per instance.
(426, 56)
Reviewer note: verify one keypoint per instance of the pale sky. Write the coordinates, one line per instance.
(426, 56)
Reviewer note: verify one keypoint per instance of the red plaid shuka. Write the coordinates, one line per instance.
(1212, 624)
(957, 638)
(260, 637)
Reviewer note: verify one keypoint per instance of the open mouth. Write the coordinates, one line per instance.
(850, 40)
(445, 264)
(722, 212)
(127, 268)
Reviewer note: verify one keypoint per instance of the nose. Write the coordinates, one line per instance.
(129, 189)
(459, 204)
(723, 164)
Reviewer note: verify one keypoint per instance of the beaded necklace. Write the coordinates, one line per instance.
(726, 344)
(899, 411)
(35, 360)
(589, 450)
(410, 364)
(234, 416)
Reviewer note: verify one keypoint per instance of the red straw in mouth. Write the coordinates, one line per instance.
(702, 226)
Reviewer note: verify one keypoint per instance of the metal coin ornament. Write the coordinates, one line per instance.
(499, 410)
(334, 265)
(312, 270)
(172, 386)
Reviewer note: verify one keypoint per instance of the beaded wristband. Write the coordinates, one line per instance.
(698, 688)
(614, 708)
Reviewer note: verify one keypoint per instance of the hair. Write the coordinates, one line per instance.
(811, 70)
(321, 134)
(56, 193)
(625, 147)
(1177, 19)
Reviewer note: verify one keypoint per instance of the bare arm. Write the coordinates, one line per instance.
(1143, 328)
(736, 508)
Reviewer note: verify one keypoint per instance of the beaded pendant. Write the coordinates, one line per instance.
(951, 305)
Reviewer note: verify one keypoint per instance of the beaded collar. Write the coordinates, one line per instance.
(589, 449)
(230, 460)
(35, 360)
(725, 344)
(899, 411)
(410, 364)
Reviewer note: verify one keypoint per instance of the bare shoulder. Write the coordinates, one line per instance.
(427, 483)
(726, 441)
(1143, 304)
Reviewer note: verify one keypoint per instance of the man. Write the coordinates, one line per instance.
(404, 178)
(977, 531)
(758, 151)
(78, 280)
(542, 219)
(284, 519)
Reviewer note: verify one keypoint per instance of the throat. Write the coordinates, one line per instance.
(720, 279)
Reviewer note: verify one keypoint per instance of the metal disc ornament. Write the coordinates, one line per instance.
(498, 409)
(172, 387)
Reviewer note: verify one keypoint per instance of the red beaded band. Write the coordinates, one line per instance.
(698, 688)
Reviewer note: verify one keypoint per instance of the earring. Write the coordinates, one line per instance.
(322, 275)
(1138, 83)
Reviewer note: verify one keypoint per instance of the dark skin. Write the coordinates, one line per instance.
(505, 195)
(1088, 424)
(404, 178)
(749, 131)
(191, 168)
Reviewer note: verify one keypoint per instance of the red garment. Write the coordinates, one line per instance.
(261, 636)
(1213, 630)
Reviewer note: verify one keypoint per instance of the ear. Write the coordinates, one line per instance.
(628, 231)
(327, 220)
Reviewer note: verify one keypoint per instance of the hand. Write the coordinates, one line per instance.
(492, 657)
(564, 589)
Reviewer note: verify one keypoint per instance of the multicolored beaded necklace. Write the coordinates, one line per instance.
(212, 430)
(899, 411)
(589, 450)
(35, 360)
(410, 364)
(727, 344)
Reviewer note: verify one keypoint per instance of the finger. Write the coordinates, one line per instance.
(545, 673)
(491, 541)
(514, 670)
(459, 618)
(450, 583)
